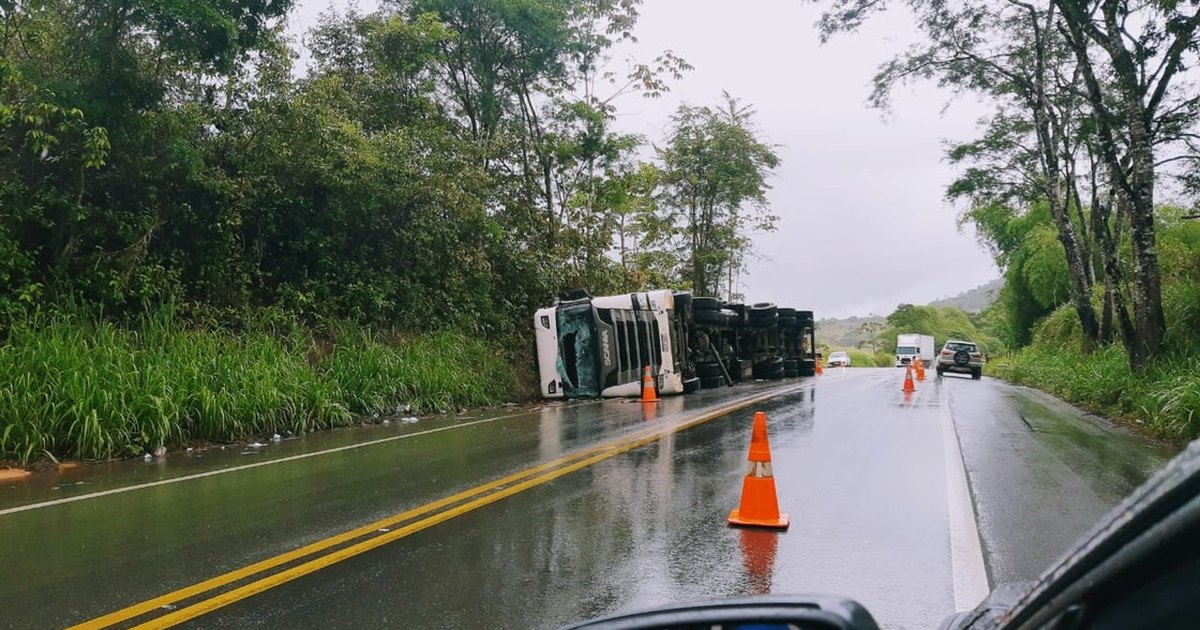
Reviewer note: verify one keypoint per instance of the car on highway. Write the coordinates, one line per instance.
(962, 357)
(839, 359)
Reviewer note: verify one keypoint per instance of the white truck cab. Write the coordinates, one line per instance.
(599, 346)
(911, 346)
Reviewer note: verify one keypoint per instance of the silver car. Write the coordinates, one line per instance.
(839, 358)
(960, 356)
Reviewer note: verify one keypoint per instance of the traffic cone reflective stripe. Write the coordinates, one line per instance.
(908, 381)
(649, 395)
(759, 506)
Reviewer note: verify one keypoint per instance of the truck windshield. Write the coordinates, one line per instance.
(905, 350)
(577, 364)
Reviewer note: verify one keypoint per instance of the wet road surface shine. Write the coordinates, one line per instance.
(573, 511)
(502, 489)
(860, 471)
(573, 426)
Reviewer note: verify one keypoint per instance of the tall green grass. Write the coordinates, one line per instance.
(77, 387)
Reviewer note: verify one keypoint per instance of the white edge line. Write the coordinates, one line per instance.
(222, 471)
(966, 552)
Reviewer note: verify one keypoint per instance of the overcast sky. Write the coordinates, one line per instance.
(863, 223)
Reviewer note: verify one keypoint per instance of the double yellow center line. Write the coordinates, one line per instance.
(384, 531)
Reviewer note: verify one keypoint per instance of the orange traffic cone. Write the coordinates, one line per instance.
(908, 382)
(760, 505)
(820, 370)
(648, 393)
(920, 370)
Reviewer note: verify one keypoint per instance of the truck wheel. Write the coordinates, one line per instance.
(712, 382)
(763, 310)
(807, 367)
(708, 317)
(708, 369)
(790, 374)
(767, 367)
(691, 385)
(706, 304)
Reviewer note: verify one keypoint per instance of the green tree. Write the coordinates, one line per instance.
(714, 185)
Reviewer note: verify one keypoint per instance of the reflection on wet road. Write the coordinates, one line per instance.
(861, 470)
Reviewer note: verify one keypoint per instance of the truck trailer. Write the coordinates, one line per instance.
(590, 347)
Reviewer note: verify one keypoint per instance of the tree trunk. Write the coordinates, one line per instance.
(1113, 298)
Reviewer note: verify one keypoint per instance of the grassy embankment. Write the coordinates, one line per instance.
(1165, 396)
(74, 387)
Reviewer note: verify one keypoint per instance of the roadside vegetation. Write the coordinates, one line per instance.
(439, 170)
(80, 388)
(1164, 396)
(877, 338)
(1074, 184)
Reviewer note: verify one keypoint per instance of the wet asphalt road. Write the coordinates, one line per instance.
(862, 471)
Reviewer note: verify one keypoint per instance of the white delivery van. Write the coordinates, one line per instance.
(909, 347)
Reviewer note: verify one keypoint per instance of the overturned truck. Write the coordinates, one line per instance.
(599, 346)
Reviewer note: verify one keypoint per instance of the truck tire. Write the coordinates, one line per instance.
(712, 382)
(786, 312)
(706, 304)
(791, 364)
(807, 367)
(977, 374)
(767, 368)
(707, 317)
(691, 385)
(708, 369)
(788, 322)
(790, 374)
(763, 310)
(683, 305)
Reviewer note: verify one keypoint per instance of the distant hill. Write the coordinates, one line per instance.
(974, 300)
(844, 332)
